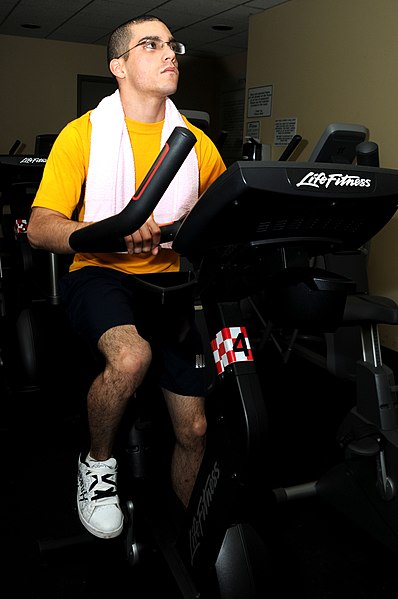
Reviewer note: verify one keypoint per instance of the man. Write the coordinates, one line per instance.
(95, 165)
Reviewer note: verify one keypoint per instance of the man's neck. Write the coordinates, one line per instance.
(148, 110)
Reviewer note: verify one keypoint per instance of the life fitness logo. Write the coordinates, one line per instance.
(33, 160)
(330, 181)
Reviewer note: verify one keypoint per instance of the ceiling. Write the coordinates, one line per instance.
(91, 21)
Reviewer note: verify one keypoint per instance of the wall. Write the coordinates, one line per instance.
(334, 61)
(39, 90)
(39, 93)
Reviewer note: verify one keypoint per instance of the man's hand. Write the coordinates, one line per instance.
(146, 239)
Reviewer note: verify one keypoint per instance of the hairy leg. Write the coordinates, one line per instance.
(127, 358)
(189, 424)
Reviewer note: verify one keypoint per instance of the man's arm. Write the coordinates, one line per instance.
(50, 230)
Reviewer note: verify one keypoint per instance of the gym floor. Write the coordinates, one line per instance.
(316, 553)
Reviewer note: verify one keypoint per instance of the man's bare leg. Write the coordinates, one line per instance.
(127, 358)
(189, 424)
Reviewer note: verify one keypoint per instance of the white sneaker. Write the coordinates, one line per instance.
(97, 499)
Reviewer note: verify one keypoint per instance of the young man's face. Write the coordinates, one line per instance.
(151, 71)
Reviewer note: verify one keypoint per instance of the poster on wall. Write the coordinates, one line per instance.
(259, 101)
(253, 129)
(285, 129)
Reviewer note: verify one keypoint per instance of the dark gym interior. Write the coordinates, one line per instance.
(314, 551)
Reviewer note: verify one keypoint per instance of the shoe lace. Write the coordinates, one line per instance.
(103, 483)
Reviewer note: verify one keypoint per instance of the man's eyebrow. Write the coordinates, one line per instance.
(156, 38)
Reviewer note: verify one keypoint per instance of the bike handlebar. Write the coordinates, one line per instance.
(107, 235)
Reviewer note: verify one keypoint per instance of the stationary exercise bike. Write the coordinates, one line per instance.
(256, 229)
(215, 515)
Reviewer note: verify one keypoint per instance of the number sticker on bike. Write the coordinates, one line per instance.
(231, 345)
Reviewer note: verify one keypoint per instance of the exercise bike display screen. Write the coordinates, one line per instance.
(325, 207)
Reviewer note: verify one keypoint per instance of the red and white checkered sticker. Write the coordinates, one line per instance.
(231, 345)
(21, 226)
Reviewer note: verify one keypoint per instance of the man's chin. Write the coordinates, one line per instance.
(171, 90)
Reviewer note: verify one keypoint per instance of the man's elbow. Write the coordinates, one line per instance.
(35, 230)
(33, 238)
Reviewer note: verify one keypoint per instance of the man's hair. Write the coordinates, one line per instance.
(120, 38)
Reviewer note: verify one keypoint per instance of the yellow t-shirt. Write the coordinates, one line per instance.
(62, 185)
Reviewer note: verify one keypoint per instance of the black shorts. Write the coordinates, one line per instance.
(97, 299)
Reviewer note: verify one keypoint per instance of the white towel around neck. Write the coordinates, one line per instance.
(111, 175)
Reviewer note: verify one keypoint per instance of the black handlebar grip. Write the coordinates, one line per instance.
(292, 145)
(14, 147)
(368, 154)
(167, 233)
(107, 235)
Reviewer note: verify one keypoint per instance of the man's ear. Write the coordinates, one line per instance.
(116, 67)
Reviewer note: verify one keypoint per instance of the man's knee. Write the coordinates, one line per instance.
(127, 356)
(194, 432)
(133, 362)
(199, 426)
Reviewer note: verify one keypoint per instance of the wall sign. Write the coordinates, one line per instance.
(285, 129)
(253, 129)
(259, 101)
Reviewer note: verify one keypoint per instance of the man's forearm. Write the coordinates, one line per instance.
(50, 231)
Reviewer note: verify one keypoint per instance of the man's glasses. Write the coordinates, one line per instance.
(155, 43)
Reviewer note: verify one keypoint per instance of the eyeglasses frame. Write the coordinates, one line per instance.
(154, 38)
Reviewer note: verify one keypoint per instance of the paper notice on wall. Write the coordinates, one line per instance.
(253, 129)
(259, 101)
(285, 129)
